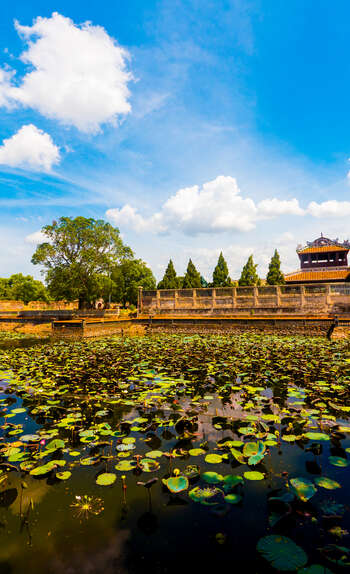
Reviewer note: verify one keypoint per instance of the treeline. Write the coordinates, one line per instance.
(221, 278)
(24, 288)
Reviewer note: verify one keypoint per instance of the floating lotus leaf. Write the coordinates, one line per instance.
(213, 458)
(282, 553)
(125, 465)
(254, 448)
(316, 436)
(198, 494)
(149, 464)
(339, 555)
(238, 455)
(55, 444)
(18, 411)
(30, 438)
(230, 481)
(196, 451)
(89, 460)
(232, 498)
(303, 488)
(327, 483)
(254, 475)
(315, 569)
(176, 484)
(332, 508)
(129, 440)
(154, 454)
(63, 475)
(212, 477)
(338, 461)
(106, 479)
(289, 437)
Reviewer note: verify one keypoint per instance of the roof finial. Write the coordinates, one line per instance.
(321, 234)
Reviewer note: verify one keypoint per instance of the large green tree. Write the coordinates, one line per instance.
(79, 256)
(24, 288)
(275, 275)
(249, 275)
(169, 281)
(128, 277)
(221, 277)
(192, 279)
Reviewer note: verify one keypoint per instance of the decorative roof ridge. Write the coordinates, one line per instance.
(324, 242)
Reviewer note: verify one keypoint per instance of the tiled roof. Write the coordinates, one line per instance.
(318, 275)
(323, 249)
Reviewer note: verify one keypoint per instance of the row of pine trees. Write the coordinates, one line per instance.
(249, 276)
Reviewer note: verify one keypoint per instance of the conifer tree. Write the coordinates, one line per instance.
(169, 280)
(192, 278)
(249, 275)
(275, 275)
(221, 277)
(204, 282)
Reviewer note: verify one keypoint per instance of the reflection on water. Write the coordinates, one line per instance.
(51, 525)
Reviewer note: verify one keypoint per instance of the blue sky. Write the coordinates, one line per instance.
(192, 125)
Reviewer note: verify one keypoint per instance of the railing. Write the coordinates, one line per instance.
(309, 298)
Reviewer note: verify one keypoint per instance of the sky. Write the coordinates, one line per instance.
(194, 126)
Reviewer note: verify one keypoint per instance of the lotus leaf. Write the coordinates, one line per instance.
(126, 465)
(149, 464)
(327, 483)
(106, 479)
(282, 553)
(303, 488)
(316, 436)
(196, 451)
(254, 475)
(212, 477)
(176, 484)
(63, 475)
(213, 458)
(338, 461)
(232, 498)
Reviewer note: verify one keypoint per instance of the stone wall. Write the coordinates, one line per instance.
(16, 306)
(318, 299)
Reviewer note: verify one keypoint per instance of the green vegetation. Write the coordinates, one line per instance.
(127, 277)
(211, 427)
(169, 281)
(192, 279)
(249, 276)
(221, 276)
(24, 288)
(275, 275)
(78, 258)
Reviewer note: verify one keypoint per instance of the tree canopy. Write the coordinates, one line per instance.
(24, 288)
(249, 275)
(169, 280)
(192, 278)
(275, 275)
(127, 277)
(221, 277)
(78, 257)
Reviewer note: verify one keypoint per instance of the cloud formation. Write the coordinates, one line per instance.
(77, 74)
(30, 148)
(216, 206)
(36, 238)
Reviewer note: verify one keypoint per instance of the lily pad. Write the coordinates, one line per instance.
(254, 475)
(338, 461)
(303, 488)
(327, 483)
(282, 553)
(176, 484)
(213, 458)
(106, 479)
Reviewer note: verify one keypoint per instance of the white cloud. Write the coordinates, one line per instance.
(31, 148)
(332, 208)
(77, 74)
(216, 206)
(275, 207)
(36, 237)
(127, 216)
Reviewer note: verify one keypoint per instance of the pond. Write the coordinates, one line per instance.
(174, 453)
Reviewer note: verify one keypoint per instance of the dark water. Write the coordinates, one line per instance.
(42, 533)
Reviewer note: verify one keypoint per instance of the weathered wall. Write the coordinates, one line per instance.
(319, 299)
(37, 305)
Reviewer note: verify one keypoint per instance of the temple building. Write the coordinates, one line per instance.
(322, 261)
